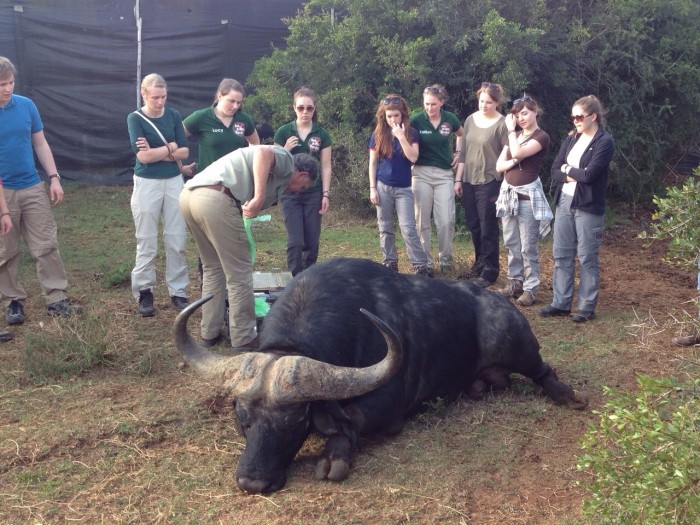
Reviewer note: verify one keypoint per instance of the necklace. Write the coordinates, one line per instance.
(527, 137)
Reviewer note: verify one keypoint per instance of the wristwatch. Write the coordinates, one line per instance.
(55, 176)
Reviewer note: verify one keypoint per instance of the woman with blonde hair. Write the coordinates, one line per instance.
(393, 148)
(581, 172)
(433, 178)
(158, 139)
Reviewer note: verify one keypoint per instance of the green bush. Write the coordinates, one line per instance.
(643, 457)
(640, 57)
(677, 220)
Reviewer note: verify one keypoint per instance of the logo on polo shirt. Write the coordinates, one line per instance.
(445, 129)
(315, 144)
(239, 128)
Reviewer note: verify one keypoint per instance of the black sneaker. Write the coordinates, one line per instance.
(552, 311)
(248, 347)
(146, 308)
(6, 336)
(15, 313)
(582, 316)
(179, 302)
(63, 308)
(208, 343)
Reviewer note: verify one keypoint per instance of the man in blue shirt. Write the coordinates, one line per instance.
(22, 135)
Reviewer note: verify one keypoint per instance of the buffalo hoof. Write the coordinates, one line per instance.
(332, 469)
(577, 401)
(477, 390)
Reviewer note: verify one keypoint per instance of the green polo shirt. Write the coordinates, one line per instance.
(317, 139)
(215, 139)
(435, 142)
(170, 126)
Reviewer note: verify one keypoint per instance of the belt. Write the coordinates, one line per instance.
(220, 187)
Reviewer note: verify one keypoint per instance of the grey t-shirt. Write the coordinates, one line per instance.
(235, 171)
(481, 148)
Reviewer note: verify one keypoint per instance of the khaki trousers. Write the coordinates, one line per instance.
(215, 221)
(33, 220)
(433, 189)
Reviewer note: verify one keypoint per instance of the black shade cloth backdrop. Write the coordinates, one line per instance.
(78, 60)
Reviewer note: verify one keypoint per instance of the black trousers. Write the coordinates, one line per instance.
(479, 202)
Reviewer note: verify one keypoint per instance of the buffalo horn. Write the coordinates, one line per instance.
(287, 379)
(295, 379)
(195, 354)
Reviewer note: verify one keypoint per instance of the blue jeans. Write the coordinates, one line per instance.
(303, 222)
(576, 234)
(479, 202)
(520, 236)
(400, 199)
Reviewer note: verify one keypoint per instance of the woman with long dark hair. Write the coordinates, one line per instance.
(393, 148)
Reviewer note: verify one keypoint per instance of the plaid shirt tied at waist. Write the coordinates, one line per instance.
(507, 203)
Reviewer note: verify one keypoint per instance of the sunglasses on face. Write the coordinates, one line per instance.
(391, 100)
(431, 89)
(524, 98)
(578, 118)
(308, 109)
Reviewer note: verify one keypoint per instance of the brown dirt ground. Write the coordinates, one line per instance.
(156, 450)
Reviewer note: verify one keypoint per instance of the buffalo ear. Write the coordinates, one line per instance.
(324, 423)
(329, 418)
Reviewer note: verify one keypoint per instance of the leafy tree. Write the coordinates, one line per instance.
(641, 57)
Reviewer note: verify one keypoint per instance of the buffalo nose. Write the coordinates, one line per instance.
(255, 486)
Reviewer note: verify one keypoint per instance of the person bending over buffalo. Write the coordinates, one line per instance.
(214, 203)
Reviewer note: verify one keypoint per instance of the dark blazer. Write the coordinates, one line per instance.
(591, 177)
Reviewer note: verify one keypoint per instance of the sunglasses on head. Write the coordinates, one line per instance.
(487, 84)
(431, 89)
(301, 109)
(391, 100)
(524, 98)
(578, 118)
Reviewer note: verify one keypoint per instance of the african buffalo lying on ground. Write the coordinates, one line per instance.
(323, 364)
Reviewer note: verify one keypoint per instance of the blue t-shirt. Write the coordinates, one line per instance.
(395, 171)
(19, 120)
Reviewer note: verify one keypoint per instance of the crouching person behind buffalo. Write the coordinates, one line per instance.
(323, 367)
(214, 202)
